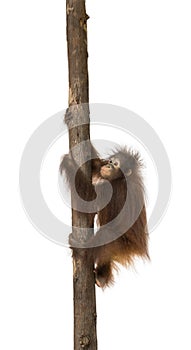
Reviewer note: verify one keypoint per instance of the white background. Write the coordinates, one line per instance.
(139, 58)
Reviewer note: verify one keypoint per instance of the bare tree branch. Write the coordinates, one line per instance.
(78, 123)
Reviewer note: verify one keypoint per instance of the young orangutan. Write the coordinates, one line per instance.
(122, 233)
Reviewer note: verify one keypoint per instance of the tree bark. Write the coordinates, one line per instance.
(83, 265)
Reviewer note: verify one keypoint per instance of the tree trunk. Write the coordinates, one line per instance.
(83, 275)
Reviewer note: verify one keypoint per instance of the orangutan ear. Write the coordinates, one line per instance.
(129, 172)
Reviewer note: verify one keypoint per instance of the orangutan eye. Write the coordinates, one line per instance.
(116, 163)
